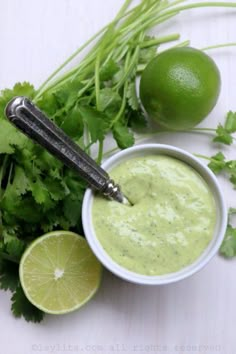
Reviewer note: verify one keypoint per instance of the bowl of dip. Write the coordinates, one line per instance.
(175, 225)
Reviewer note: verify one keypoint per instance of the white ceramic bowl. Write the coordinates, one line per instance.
(220, 228)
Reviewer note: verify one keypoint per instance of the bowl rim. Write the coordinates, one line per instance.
(202, 260)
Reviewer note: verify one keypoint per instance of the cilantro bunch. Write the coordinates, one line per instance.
(95, 98)
(98, 96)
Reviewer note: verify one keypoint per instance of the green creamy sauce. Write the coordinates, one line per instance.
(170, 224)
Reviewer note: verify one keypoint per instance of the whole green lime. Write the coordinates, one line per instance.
(180, 87)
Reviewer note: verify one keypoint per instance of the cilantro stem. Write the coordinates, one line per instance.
(127, 67)
(181, 44)
(133, 21)
(41, 88)
(106, 38)
(100, 152)
(203, 157)
(111, 151)
(80, 49)
(201, 4)
(204, 129)
(156, 41)
(121, 15)
(87, 147)
(133, 63)
(132, 25)
(97, 82)
(220, 46)
(123, 9)
(87, 140)
(158, 19)
(135, 13)
(147, 44)
(122, 107)
(141, 67)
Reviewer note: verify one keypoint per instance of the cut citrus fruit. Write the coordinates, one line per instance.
(59, 273)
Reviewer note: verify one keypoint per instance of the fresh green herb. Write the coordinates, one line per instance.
(228, 247)
(224, 132)
(219, 164)
(89, 101)
(22, 307)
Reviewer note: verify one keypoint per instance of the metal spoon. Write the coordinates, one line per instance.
(32, 122)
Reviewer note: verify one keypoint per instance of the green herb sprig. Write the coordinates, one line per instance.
(95, 98)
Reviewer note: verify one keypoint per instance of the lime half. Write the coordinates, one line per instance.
(59, 273)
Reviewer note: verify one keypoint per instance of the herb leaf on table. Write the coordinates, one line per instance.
(224, 132)
(228, 247)
(22, 307)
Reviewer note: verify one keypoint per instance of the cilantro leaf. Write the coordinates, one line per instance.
(147, 53)
(15, 199)
(72, 123)
(108, 70)
(9, 278)
(23, 89)
(72, 208)
(228, 247)
(123, 136)
(232, 211)
(40, 192)
(20, 183)
(41, 161)
(9, 233)
(67, 95)
(132, 96)
(230, 124)
(230, 169)
(15, 248)
(94, 121)
(10, 137)
(22, 307)
(223, 136)
(58, 190)
(223, 133)
(19, 89)
(217, 163)
(110, 101)
(48, 104)
(137, 120)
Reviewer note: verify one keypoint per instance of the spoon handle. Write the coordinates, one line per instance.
(32, 122)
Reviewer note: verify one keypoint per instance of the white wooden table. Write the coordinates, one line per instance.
(197, 315)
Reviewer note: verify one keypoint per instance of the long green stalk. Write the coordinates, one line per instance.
(121, 15)
(87, 65)
(80, 49)
(130, 23)
(90, 67)
(40, 90)
(216, 46)
(135, 12)
(201, 4)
